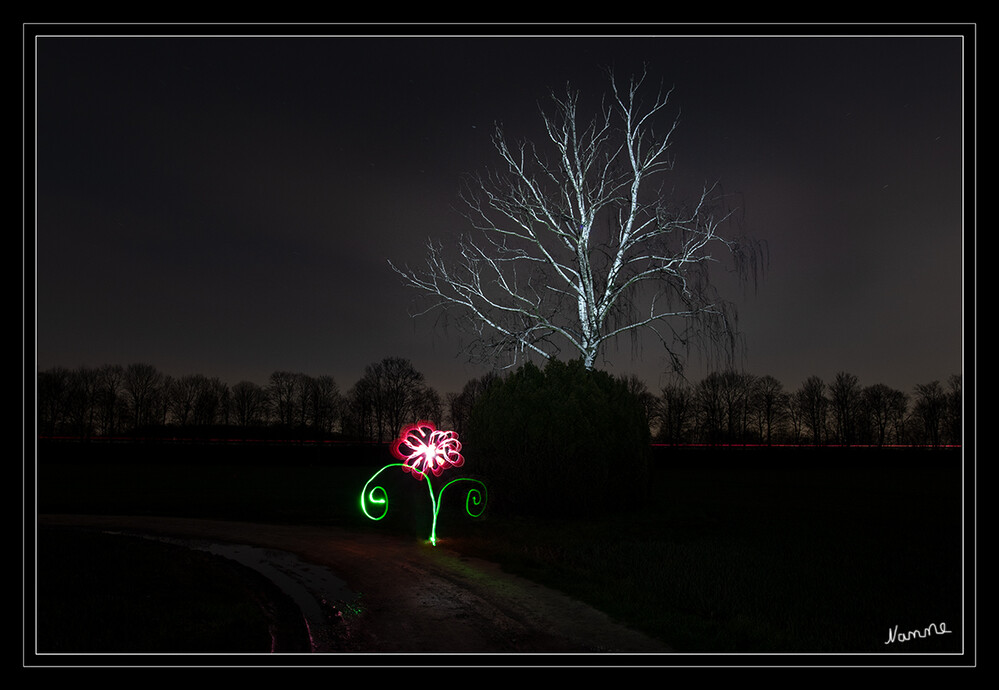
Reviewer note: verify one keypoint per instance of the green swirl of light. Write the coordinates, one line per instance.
(375, 495)
(476, 496)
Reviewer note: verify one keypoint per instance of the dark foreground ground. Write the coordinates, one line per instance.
(397, 596)
(737, 553)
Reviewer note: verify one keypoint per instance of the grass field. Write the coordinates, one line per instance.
(731, 554)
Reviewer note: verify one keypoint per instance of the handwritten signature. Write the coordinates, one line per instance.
(932, 629)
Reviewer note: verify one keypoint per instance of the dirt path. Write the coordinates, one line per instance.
(412, 597)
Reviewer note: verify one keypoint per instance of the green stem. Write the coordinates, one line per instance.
(377, 496)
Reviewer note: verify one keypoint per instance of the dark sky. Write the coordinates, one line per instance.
(227, 206)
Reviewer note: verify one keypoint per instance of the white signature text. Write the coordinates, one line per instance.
(932, 629)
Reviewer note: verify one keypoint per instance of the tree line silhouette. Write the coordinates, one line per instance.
(724, 407)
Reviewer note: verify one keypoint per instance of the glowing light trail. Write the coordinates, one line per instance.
(422, 447)
(424, 450)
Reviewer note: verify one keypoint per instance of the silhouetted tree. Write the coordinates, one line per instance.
(735, 389)
(400, 394)
(109, 401)
(844, 398)
(561, 440)
(143, 388)
(459, 405)
(304, 389)
(813, 405)
(161, 412)
(326, 404)
(53, 397)
(430, 407)
(769, 406)
(248, 404)
(211, 406)
(81, 411)
(181, 394)
(886, 411)
(724, 406)
(794, 415)
(711, 408)
(929, 409)
(389, 395)
(640, 391)
(359, 411)
(676, 412)
(899, 411)
(878, 405)
(954, 413)
(281, 392)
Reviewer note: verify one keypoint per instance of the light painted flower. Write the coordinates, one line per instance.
(423, 448)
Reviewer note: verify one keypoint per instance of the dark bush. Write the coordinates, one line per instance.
(560, 440)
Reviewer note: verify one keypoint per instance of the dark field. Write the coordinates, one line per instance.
(737, 550)
(108, 593)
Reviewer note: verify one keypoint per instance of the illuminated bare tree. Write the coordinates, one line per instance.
(573, 246)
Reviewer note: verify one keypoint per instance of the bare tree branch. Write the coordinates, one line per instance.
(573, 250)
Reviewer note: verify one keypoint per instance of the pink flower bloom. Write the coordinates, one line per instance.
(423, 448)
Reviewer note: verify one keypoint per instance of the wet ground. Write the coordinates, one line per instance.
(362, 594)
(323, 600)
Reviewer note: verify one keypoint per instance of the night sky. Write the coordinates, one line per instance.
(227, 205)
